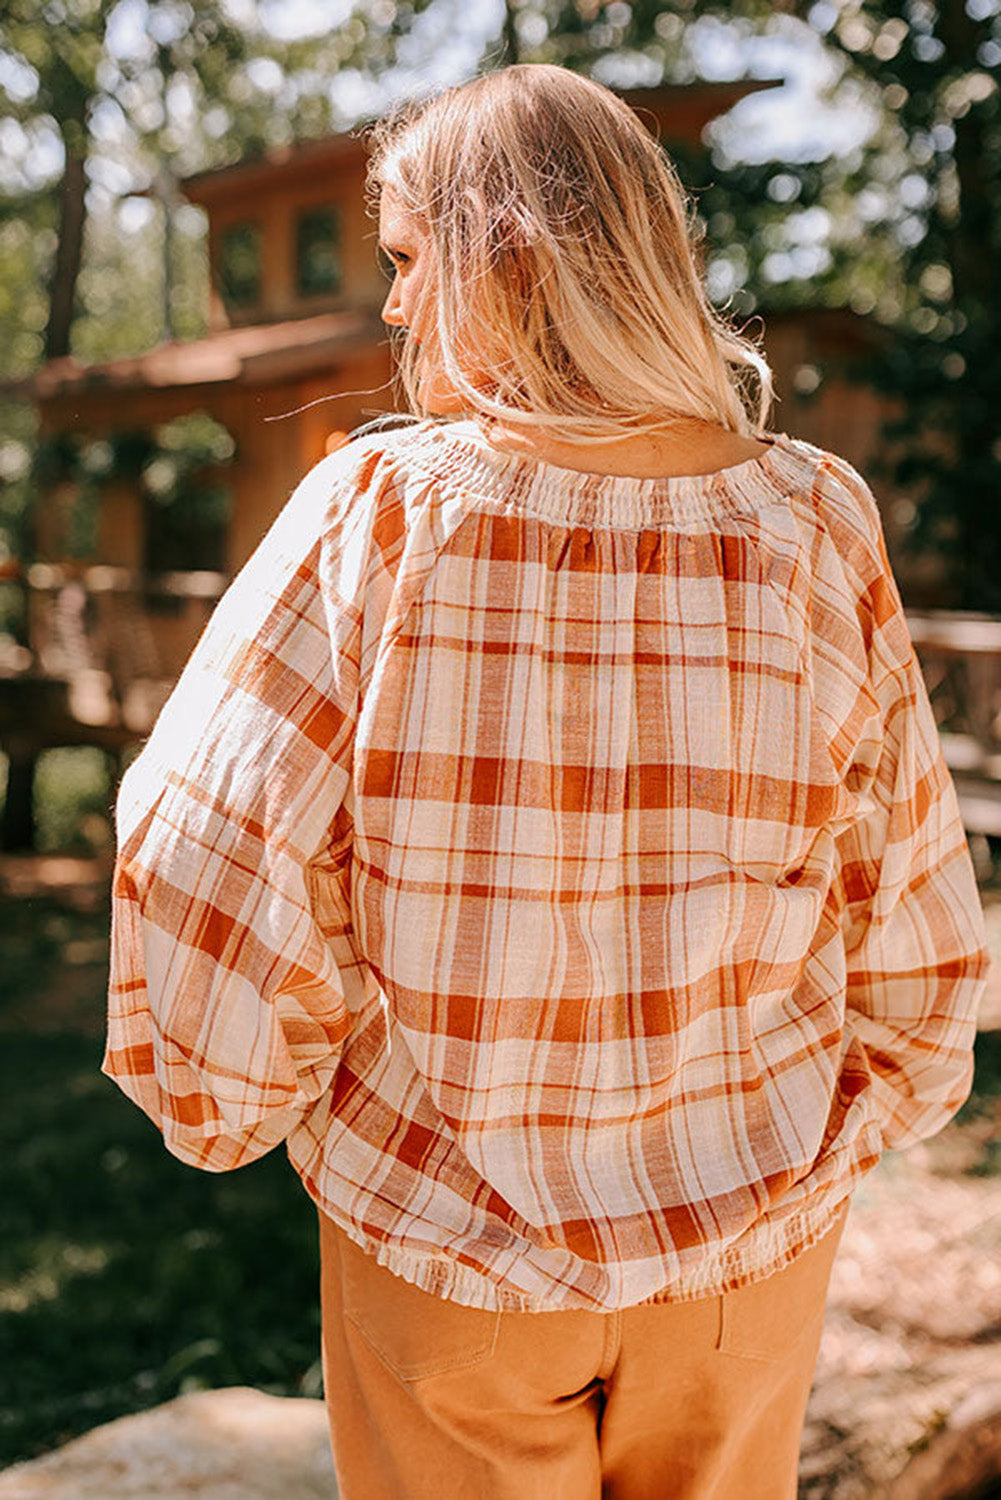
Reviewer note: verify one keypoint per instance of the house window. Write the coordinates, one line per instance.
(189, 533)
(186, 499)
(317, 252)
(240, 265)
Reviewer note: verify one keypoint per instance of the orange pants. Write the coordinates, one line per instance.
(670, 1401)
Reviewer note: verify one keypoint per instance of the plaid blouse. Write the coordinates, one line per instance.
(563, 866)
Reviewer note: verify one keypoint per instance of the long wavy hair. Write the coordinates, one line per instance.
(563, 262)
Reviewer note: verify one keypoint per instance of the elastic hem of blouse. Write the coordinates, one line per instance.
(458, 452)
(735, 1267)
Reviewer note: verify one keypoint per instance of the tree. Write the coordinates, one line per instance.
(936, 69)
(184, 85)
(65, 89)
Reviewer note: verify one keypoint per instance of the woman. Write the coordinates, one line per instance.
(549, 842)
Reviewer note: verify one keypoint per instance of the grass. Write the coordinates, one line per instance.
(127, 1278)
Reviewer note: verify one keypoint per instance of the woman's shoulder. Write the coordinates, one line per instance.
(334, 484)
(369, 454)
(844, 502)
(832, 470)
(394, 433)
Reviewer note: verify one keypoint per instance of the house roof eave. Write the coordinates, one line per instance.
(235, 355)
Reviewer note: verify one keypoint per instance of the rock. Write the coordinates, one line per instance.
(965, 1455)
(235, 1444)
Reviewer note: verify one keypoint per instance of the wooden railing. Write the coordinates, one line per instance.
(960, 655)
(106, 646)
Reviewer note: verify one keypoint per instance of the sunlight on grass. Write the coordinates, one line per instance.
(55, 1265)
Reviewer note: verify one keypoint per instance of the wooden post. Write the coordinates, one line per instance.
(17, 827)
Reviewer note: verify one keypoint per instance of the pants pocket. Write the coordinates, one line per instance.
(414, 1333)
(772, 1319)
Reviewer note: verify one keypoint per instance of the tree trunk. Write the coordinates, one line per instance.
(510, 35)
(72, 214)
(970, 234)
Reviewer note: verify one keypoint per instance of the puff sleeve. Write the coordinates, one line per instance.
(226, 1006)
(912, 922)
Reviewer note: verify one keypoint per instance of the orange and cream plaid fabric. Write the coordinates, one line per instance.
(564, 866)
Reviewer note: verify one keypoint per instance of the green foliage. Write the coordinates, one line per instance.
(18, 438)
(126, 1278)
(27, 242)
(186, 510)
(192, 86)
(72, 800)
(934, 69)
(120, 290)
(188, 89)
(174, 468)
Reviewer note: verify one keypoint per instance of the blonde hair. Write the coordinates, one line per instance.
(563, 261)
